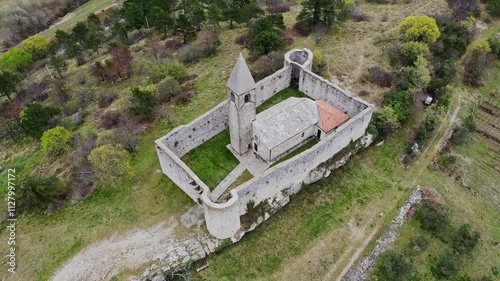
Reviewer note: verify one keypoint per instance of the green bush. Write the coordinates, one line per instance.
(494, 43)
(429, 125)
(447, 161)
(419, 244)
(419, 75)
(448, 71)
(250, 205)
(56, 140)
(401, 103)
(319, 63)
(111, 164)
(393, 267)
(447, 265)
(464, 240)
(35, 192)
(156, 72)
(386, 121)
(411, 50)
(266, 42)
(493, 8)
(268, 64)
(433, 219)
(419, 28)
(453, 40)
(167, 89)
(460, 136)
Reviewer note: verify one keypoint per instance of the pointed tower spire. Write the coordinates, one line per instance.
(241, 80)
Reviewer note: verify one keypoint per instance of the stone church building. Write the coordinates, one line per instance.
(280, 129)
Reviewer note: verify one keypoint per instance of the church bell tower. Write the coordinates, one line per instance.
(241, 95)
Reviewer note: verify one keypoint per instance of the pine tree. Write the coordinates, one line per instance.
(7, 84)
(59, 64)
(324, 12)
(133, 15)
(160, 19)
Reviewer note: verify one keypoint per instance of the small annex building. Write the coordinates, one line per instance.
(290, 124)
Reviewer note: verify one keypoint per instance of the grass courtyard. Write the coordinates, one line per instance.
(212, 161)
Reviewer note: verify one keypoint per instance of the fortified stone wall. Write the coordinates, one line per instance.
(179, 172)
(276, 183)
(184, 138)
(318, 88)
(272, 84)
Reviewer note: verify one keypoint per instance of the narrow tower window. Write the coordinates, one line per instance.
(247, 98)
(232, 97)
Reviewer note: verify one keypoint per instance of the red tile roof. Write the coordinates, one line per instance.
(330, 116)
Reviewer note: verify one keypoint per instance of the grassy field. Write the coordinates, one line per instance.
(212, 161)
(471, 191)
(473, 202)
(80, 14)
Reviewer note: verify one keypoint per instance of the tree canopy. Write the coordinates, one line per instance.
(265, 42)
(419, 28)
(7, 84)
(37, 46)
(325, 12)
(35, 118)
(56, 140)
(35, 192)
(493, 8)
(16, 59)
(142, 102)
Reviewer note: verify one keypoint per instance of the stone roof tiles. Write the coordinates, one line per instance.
(241, 80)
(285, 120)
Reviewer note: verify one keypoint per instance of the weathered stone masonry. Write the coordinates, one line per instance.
(275, 184)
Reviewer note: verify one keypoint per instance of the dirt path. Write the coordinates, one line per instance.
(357, 233)
(356, 255)
(158, 244)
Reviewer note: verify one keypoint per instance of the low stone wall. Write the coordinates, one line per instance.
(363, 269)
(184, 138)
